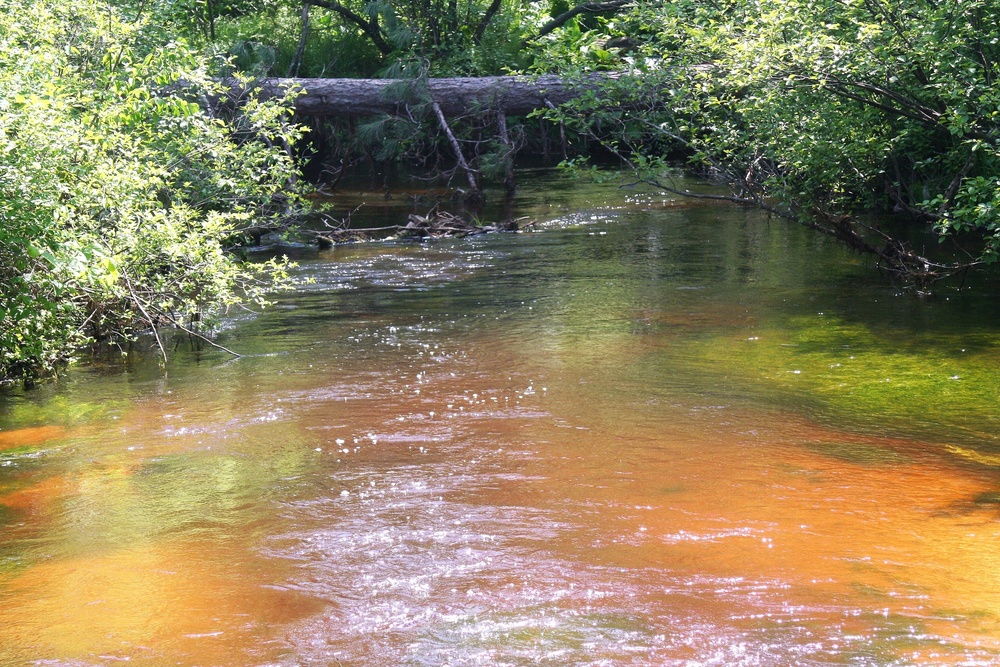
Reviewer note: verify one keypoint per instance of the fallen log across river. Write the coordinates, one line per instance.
(493, 97)
(516, 95)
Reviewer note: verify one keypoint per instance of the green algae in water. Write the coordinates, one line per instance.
(8, 515)
(65, 411)
(987, 498)
(859, 453)
(853, 374)
(19, 452)
(19, 461)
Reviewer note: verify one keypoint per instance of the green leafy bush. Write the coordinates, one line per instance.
(821, 109)
(123, 177)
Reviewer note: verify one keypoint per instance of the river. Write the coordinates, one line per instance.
(650, 432)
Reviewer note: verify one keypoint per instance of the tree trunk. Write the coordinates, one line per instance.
(491, 11)
(210, 17)
(369, 26)
(518, 95)
(293, 67)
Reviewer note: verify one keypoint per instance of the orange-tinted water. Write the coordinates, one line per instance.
(506, 451)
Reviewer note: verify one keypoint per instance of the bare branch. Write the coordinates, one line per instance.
(457, 148)
(293, 67)
(191, 332)
(146, 316)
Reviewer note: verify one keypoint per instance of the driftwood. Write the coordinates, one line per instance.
(435, 225)
(334, 237)
(517, 95)
(438, 224)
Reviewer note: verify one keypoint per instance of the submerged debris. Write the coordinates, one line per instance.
(332, 237)
(436, 224)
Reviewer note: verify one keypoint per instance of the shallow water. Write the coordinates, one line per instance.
(651, 433)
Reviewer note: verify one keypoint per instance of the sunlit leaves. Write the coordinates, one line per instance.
(120, 183)
(831, 106)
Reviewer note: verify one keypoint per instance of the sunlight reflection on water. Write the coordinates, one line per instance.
(556, 449)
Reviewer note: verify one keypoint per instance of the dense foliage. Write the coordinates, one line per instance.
(820, 109)
(121, 184)
(354, 38)
(814, 109)
(127, 169)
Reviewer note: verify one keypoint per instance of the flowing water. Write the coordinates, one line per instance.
(649, 433)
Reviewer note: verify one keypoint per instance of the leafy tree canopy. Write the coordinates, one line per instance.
(819, 109)
(126, 170)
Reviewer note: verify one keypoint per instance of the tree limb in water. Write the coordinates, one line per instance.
(474, 192)
(894, 257)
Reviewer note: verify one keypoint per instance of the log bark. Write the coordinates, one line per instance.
(518, 95)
